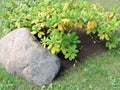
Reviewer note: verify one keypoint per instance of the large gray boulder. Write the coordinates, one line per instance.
(21, 54)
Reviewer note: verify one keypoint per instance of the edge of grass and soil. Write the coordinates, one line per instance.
(98, 72)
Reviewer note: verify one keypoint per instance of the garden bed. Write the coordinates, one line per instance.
(90, 45)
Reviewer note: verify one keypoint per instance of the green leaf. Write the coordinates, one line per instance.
(64, 51)
(107, 37)
(67, 55)
(53, 21)
(72, 56)
(66, 5)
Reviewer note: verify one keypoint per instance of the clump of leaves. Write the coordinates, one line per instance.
(104, 23)
(59, 41)
(48, 20)
(52, 20)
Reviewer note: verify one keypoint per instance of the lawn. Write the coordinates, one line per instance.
(95, 73)
(99, 72)
(106, 3)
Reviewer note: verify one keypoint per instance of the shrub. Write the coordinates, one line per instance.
(52, 20)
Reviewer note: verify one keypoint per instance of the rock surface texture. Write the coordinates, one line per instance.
(23, 55)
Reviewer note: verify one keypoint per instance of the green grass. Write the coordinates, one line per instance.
(106, 3)
(99, 72)
(1, 10)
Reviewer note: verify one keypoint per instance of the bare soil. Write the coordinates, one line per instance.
(90, 45)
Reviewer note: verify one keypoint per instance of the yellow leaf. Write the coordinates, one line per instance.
(71, 23)
(91, 25)
(57, 46)
(95, 7)
(53, 50)
(65, 21)
(80, 25)
(101, 12)
(102, 37)
(48, 16)
(35, 21)
(60, 27)
(111, 15)
(65, 6)
(42, 25)
(48, 8)
(55, 25)
(17, 25)
(84, 11)
(40, 34)
(50, 46)
(77, 25)
(39, 28)
(106, 37)
(64, 28)
(88, 31)
(40, 13)
(33, 32)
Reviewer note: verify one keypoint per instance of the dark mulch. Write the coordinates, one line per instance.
(90, 45)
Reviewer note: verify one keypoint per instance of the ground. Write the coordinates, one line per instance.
(90, 45)
(100, 71)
